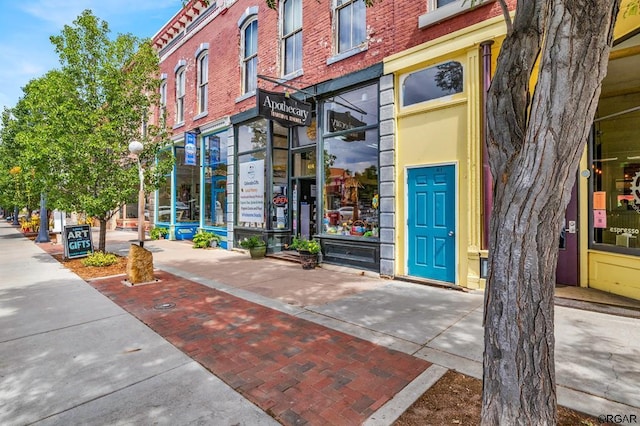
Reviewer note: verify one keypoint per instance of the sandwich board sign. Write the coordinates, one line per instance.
(77, 241)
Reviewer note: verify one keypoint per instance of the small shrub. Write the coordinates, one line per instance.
(203, 239)
(158, 232)
(99, 258)
(303, 244)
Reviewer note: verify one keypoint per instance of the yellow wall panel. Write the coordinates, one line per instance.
(615, 273)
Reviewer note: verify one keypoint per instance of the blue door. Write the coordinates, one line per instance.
(431, 223)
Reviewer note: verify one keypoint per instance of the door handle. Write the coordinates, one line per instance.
(451, 233)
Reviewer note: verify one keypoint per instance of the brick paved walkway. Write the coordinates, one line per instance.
(297, 371)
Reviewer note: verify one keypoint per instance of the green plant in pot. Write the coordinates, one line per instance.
(158, 233)
(256, 246)
(204, 239)
(308, 250)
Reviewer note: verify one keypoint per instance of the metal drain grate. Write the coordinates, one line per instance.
(164, 306)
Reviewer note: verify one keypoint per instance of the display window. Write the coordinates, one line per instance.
(164, 193)
(616, 174)
(350, 146)
(187, 187)
(251, 174)
(215, 179)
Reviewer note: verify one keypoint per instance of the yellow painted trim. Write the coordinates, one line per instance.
(583, 230)
(628, 24)
(452, 44)
(434, 105)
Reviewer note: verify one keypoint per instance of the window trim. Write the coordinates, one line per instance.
(284, 37)
(248, 17)
(244, 59)
(163, 99)
(203, 84)
(181, 83)
(354, 49)
(436, 14)
(446, 99)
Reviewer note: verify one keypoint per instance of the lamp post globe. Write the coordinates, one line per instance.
(135, 148)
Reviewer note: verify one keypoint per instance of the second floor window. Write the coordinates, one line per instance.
(203, 80)
(180, 91)
(292, 36)
(250, 56)
(163, 101)
(351, 24)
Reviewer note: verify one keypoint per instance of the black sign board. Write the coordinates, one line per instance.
(341, 121)
(77, 241)
(287, 111)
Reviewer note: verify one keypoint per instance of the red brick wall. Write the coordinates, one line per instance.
(392, 26)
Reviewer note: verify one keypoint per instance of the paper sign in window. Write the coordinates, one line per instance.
(599, 218)
(599, 200)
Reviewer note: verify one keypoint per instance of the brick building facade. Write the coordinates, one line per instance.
(334, 179)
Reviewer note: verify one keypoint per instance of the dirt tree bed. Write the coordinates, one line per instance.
(91, 272)
(456, 399)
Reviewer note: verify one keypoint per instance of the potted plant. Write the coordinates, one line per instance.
(308, 250)
(256, 246)
(204, 239)
(158, 233)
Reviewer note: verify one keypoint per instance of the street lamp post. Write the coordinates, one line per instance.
(43, 232)
(136, 148)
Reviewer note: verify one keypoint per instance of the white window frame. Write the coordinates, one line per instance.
(180, 94)
(285, 36)
(203, 81)
(163, 100)
(436, 14)
(336, 19)
(246, 60)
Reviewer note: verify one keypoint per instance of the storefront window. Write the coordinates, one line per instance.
(215, 179)
(251, 181)
(304, 163)
(616, 173)
(187, 188)
(350, 147)
(280, 202)
(303, 135)
(164, 194)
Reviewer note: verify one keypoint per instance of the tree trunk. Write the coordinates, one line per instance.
(102, 244)
(535, 144)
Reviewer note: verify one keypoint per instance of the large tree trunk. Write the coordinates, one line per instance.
(535, 144)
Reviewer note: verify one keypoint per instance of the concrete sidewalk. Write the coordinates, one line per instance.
(71, 352)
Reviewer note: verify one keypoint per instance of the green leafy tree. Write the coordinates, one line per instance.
(72, 128)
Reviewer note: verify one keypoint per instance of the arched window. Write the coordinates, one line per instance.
(435, 82)
(249, 65)
(163, 100)
(180, 92)
(203, 81)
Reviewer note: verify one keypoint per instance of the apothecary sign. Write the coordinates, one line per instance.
(287, 111)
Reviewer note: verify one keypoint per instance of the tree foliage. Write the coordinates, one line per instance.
(72, 127)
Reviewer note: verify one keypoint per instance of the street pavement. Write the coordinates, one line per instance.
(73, 352)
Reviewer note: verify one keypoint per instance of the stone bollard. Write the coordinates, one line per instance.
(139, 265)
